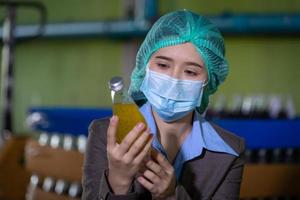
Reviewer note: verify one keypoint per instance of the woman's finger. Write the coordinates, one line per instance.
(112, 131)
(162, 160)
(138, 145)
(147, 184)
(131, 137)
(151, 176)
(156, 168)
(142, 155)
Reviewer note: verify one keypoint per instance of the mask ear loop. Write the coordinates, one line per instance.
(204, 113)
(205, 84)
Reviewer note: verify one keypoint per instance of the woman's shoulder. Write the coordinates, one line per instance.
(97, 124)
(234, 141)
(97, 130)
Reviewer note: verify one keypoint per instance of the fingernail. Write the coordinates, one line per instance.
(113, 118)
(140, 179)
(140, 125)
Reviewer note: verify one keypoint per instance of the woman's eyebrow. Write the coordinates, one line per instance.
(194, 64)
(186, 63)
(164, 58)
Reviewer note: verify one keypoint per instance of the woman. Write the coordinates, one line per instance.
(179, 65)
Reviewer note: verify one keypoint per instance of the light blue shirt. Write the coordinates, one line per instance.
(202, 135)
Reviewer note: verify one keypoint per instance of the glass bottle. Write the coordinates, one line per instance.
(75, 190)
(61, 187)
(124, 107)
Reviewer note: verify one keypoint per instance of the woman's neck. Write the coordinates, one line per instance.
(171, 135)
(175, 128)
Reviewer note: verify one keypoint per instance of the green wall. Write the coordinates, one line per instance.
(72, 10)
(64, 73)
(74, 72)
(263, 65)
(236, 6)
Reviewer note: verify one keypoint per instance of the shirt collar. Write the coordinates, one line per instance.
(202, 135)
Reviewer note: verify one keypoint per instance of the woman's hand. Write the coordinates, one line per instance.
(125, 159)
(159, 177)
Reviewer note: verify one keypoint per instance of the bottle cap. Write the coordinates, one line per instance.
(61, 186)
(34, 180)
(116, 83)
(68, 142)
(75, 190)
(48, 184)
(81, 143)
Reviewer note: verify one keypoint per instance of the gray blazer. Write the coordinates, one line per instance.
(212, 175)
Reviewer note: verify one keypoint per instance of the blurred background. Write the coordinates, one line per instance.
(58, 56)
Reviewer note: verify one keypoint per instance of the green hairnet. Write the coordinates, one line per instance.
(176, 28)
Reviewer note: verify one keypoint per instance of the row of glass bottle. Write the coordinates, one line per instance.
(262, 155)
(276, 155)
(59, 186)
(65, 141)
(260, 106)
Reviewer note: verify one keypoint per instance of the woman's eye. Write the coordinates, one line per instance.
(162, 65)
(190, 73)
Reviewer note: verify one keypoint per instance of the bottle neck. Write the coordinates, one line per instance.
(121, 96)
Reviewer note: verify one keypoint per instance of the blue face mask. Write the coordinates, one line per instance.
(171, 98)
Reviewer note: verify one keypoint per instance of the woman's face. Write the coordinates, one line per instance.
(180, 61)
